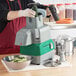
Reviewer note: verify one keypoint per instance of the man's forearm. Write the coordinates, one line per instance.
(21, 13)
(12, 15)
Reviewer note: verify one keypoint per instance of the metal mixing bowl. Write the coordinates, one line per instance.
(16, 65)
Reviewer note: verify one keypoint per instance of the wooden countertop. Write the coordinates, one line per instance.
(65, 71)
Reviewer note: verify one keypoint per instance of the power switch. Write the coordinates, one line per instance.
(51, 46)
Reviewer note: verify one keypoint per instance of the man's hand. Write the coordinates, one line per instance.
(26, 13)
(48, 12)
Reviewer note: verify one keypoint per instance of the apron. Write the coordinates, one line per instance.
(7, 37)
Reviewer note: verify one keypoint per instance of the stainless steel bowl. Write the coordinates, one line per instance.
(16, 65)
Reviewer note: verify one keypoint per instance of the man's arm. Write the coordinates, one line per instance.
(21, 13)
(12, 15)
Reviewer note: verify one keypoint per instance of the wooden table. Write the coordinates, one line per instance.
(65, 71)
